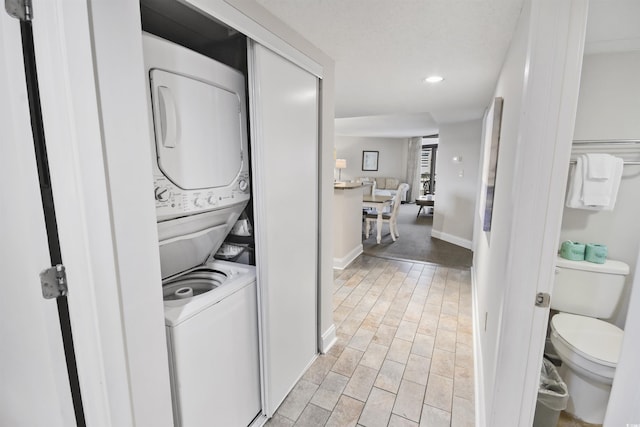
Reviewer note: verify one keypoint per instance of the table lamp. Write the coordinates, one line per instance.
(340, 164)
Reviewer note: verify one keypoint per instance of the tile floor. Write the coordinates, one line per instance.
(404, 354)
(567, 421)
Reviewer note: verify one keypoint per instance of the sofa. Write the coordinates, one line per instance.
(384, 186)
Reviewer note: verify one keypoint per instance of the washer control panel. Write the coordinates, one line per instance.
(173, 201)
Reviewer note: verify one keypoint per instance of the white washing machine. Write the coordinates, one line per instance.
(212, 335)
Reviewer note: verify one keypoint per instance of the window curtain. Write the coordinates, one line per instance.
(413, 168)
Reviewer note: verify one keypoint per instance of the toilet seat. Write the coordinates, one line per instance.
(590, 345)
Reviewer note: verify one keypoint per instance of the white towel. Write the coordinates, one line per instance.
(600, 166)
(601, 194)
(574, 192)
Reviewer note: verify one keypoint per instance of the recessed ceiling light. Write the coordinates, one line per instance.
(434, 79)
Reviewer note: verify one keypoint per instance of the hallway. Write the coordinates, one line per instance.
(404, 355)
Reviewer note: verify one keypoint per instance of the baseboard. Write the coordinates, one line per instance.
(458, 241)
(478, 379)
(342, 263)
(329, 338)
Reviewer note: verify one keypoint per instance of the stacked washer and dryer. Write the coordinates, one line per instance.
(201, 177)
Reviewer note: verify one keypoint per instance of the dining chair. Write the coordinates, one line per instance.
(389, 218)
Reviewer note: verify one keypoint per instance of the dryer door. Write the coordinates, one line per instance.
(198, 130)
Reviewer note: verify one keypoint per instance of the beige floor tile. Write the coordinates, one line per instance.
(403, 353)
(417, 369)
(428, 324)
(397, 421)
(450, 307)
(393, 317)
(361, 339)
(434, 417)
(414, 311)
(361, 383)
(346, 413)
(319, 368)
(448, 322)
(446, 340)
(423, 345)
(399, 350)
(463, 382)
(439, 392)
(442, 363)
(377, 410)
(406, 330)
(409, 400)
(279, 421)
(464, 355)
(329, 391)
(347, 361)
(390, 376)
(313, 416)
(297, 399)
(374, 356)
(350, 325)
(384, 335)
(462, 414)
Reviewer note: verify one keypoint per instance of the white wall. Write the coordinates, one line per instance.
(609, 108)
(609, 103)
(457, 182)
(490, 250)
(392, 160)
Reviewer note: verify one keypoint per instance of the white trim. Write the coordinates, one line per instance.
(329, 338)
(223, 11)
(478, 380)
(455, 240)
(555, 42)
(342, 263)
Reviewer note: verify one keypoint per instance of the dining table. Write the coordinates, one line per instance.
(379, 203)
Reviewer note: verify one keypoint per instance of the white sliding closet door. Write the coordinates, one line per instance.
(284, 122)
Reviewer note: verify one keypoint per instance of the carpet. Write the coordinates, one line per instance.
(415, 241)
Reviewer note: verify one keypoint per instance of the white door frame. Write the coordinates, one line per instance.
(554, 61)
(35, 386)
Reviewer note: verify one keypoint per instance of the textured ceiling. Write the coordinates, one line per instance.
(383, 49)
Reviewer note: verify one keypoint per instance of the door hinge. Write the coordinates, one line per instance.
(19, 9)
(54, 282)
(543, 299)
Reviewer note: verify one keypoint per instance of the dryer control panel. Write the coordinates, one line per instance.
(173, 202)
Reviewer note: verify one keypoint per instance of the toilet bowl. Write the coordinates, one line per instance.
(588, 347)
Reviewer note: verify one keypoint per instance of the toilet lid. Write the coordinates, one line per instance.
(594, 339)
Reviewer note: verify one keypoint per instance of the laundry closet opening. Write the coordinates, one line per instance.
(235, 159)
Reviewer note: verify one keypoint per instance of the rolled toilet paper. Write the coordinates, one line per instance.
(596, 253)
(572, 250)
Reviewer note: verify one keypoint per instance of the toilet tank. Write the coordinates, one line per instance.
(587, 288)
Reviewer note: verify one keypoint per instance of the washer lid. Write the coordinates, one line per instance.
(593, 339)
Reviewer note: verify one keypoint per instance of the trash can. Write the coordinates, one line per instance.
(553, 396)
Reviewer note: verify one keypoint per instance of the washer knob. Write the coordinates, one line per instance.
(243, 184)
(162, 194)
(211, 200)
(198, 202)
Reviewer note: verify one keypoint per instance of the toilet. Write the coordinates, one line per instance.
(589, 348)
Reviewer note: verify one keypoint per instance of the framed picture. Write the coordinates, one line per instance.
(370, 160)
(490, 163)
